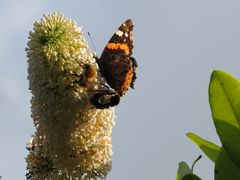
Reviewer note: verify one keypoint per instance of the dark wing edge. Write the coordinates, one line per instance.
(104, 100)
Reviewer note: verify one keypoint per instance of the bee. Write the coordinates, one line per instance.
(90, 72)
(88, 76)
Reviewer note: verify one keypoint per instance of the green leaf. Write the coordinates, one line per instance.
(191, 177)
(210, 149)
(224, 99)
(183, 169)
(225, 169)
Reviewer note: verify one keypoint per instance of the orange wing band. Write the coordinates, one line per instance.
(117, 46)
(128, 80)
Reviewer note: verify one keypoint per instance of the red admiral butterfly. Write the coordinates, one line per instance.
(116, 64)
(117, 67)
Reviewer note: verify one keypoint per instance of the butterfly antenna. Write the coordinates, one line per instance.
(92, 41)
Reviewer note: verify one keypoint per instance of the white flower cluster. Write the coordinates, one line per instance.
(72, 139)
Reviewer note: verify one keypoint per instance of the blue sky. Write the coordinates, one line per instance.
(177, 45)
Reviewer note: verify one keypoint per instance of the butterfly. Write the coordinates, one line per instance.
(117, 66)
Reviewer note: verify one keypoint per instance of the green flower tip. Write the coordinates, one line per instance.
(57, 36)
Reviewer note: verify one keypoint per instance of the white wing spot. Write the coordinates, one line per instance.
(119, 33)
(126, 34)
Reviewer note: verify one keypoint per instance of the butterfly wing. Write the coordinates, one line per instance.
(105, 99)
(116, 64)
